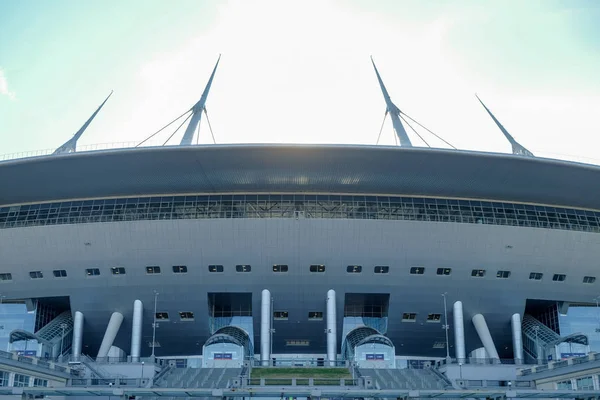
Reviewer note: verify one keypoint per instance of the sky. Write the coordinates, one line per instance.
(300, 72)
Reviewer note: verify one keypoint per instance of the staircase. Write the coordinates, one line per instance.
(406, 379)
(207, 378)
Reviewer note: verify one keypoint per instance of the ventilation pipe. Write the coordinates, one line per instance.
(331, 328)
(265, 328)
(136, 331)
(517, 338)
(459, 332)
(111, 333)
(485, 337)
(77, 335)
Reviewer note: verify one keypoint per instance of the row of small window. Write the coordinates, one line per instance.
(318, 316)
(21, 380)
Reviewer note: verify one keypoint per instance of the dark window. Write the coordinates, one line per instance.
(162, 316)
(280, 315)
(59, 273)
(381, 269)
(297, 343)
(502, 274)
(589, 279)
(559, 277)
(417, 270)
(243, 268)
(153, 270)
(118, 270)
(434, 317)
(6, 276)
(36, 275)
(280, 268)
(179, 269)
(315, 315)
(317, 268)
(215, 268)
(536, 276)
(444, 271)
(354, 269)
(186, 315)
(478, 273)
(92, 272)
(409, 317)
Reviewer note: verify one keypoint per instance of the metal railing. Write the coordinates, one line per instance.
(135, 382)
(299, 382)
(479, 361)
(38, 362)
(552, 365)
(300, 363)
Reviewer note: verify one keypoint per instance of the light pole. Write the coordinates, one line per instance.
(446, 326)
(142, 377)
(154, 323)
(63, 326)
(597, 313)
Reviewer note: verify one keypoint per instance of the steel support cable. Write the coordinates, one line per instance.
(209, 126)
(381, 129)
(184, 121)
(413, 129)
(428, 130)
(161, 129)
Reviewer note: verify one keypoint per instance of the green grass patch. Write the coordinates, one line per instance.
(300, 372)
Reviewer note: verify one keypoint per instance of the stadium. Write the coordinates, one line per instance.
(228, 257)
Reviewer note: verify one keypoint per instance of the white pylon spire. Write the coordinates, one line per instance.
(516, 146)
(394, 112)
(197, 110)
(70, 146)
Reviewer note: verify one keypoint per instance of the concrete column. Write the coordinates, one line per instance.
(111, 333)
(517, 337)
(136, 331)
(331, 328)
(459, 333)
(265, 328)
(485, 336)
(77, 335)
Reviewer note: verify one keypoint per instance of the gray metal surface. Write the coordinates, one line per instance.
(300, 169)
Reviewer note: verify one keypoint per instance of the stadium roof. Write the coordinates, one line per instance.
(342, 169)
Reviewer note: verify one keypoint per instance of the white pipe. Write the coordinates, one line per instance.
(485, 336)
(136, 331)
(77, 335)
(459, 332)
(517, 337)
(331, 328)
(265, 327)
(111, 333)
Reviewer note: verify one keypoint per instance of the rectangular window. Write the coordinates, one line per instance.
(280, 268)
(37, 382)
(564, 385)
(4, 378)
(280, 315)
(6, 276)
(381, 269)
(478, 273)
(559, 277)
(36, 275)
(589, 279)
(215, 268)
(586, 383)
(434, 317)
(92, 272)
(315, 315)
(297, 343)
(502, 274)
(162, 316)
(59, 273)
(179, 269)
(243, 268)
(186, 315)
(354, 269)
(317, 268)
(536, 276)
(417, 270)
(409, 317)
(21, 380)
(444, 271)
(118, 270)
(153, 270)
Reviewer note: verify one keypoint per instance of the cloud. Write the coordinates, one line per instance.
(4, 91)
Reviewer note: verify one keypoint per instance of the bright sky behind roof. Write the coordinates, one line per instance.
(299, 72)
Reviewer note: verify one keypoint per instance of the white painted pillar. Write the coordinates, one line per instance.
(517, 337)
(265, 327)
(331, 328)
(111, 333)
(77, 335)
(136, 331)
(459, 333)
(485, 336)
